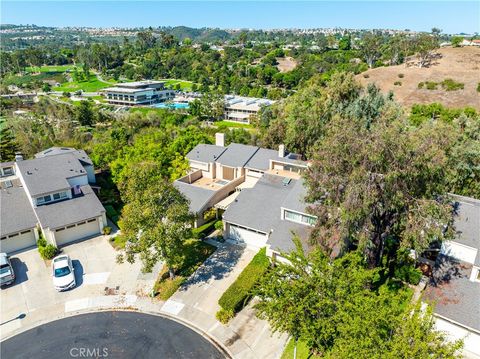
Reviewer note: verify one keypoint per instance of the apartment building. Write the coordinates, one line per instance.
(243, 109)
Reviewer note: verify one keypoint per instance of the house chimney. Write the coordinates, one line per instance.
(18, 157)
(220, 139)
(281, 151)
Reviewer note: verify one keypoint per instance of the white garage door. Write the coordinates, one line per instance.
(76, 231)
(249, 237)
(17, 241)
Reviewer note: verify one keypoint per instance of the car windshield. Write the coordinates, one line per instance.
(61, 272)
(5, 269)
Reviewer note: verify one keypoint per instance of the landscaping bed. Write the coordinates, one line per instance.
(195, 253)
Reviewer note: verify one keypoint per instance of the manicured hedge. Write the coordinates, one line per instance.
(238, 294)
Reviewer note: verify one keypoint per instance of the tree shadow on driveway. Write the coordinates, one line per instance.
(217, 266)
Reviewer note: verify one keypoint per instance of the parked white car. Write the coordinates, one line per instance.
(63, 273)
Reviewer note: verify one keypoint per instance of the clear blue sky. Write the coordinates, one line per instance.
(451, 16)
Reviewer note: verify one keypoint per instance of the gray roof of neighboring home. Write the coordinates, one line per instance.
(281, 238)
(198, 197)
(237, 155)
(205, 153)
(261, 159)
(59, 214)
(16, 213)
(455, 296)
(467, 222)
(291, 158)
(50, 173)
(259, 208)
(81, 155)
(295, 199)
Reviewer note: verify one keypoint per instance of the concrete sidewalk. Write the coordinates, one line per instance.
(196, 303)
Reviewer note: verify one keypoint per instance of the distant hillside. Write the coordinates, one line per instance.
(459, 64)
(199, 35)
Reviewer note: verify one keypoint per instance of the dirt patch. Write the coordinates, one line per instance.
(459, 64)
(286, 64)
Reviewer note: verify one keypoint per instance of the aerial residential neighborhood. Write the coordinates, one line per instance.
(245, 180)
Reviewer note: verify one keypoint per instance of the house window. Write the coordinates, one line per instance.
(91, 220)
(44, 199)
(60, 195)
(300, 218)
(8, 171)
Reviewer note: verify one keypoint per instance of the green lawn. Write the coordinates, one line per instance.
(184, 85)
(195, 253)
(302, 351)
(232, 124)
(50, 68)
(92, 85)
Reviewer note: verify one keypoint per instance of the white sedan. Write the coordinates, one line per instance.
(63, 273)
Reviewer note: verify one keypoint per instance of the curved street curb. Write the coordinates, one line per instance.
(185, 323)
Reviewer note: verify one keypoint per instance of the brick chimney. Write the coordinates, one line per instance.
(220, 139)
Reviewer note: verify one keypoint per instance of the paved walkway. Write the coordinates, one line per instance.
(196, 302)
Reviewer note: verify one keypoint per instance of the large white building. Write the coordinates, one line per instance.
(138, 93)
(243, 109)
(50, 194)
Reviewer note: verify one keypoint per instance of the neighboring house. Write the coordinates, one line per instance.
(138, 93)
(269, 214)
(226, 177)
(243, 109)
(50, 193)
(455, 285)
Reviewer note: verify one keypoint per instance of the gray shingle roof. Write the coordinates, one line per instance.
(50, 173)
(237, 155)
(16, 213)
(205, 153)
(198, 197)
(261, 159)
(59, 214)
(295, 199)
(467, 221)
(81, 155)
(260, 208)
(454, 295)
(281, 238)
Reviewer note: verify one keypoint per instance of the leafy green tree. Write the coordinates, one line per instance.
(456, 41)
(370, 48)
(8, 146)
(85, 114)
(156, 219)
(378, 180)
(425, 45)
(337, 308)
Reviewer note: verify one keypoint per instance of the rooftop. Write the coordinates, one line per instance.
(81, 155)
(455, 296)
(467, 221)
(49, 174)
(60, 214)
(237, 155)
(198, 196)
(205, 153)
(16, 213)
(260, 161)
(267, 197)
(138, 84)
(246, 103)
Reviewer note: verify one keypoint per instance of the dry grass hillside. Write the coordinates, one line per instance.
(459, 64)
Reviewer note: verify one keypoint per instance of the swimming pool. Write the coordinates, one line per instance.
(173, 106)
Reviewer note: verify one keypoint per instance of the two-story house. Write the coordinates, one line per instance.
(50, 193)
(260, 189)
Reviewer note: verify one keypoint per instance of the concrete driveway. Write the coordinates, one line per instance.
(99, 279)
(196, 302)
